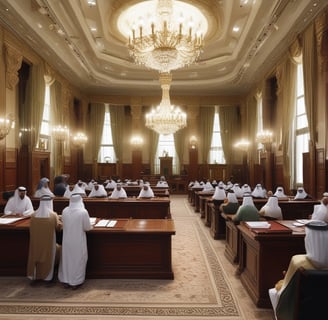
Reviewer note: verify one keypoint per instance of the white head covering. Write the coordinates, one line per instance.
(78, 190)
(118, 192)
(45, 207)
(246, 189)
(237, 190)
(219, 193)
(280, 192)
(248, 200)
(196, 185)
(320, 212)
(272, 209)
(232, 197)
(110, 185)
(97, 191)
(301, 194)
(221, 184)
(146, 192)
(208, 186)
(43, 189)
(316, 239)
(258, 191)
(229, 185)
(162, 183)
(90, 184)
(76, 202)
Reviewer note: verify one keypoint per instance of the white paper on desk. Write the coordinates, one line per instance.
(258, 224)
(9, 220)
(303, 221)
(93, 221)
(111, 223)
(102, 223)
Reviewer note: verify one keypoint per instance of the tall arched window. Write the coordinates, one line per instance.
(302, 136)
(106, 151)
(216, 151)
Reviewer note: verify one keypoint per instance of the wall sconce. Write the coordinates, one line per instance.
(5, 125)
(265, 138)
(80, 139)
(193, 142)
(60, 133)
(136, 141)
(243, 145)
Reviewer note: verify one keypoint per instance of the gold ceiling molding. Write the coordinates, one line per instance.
(13, 60)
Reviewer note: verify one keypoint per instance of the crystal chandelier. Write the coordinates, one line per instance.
(265, 138)
(60, 133)
(166, 118)
(169, 39)
(80, 139)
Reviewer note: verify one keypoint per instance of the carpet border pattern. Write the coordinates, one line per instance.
(227, 309)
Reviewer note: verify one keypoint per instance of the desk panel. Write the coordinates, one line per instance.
(134, 248)
(154, 208)
(263, 258)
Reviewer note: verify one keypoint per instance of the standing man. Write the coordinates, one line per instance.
(19, 204)
(43, 249)
(76, 222)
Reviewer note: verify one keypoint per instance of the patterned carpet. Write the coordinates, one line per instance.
(200, 290)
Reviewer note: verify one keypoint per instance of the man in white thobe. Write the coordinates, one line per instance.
(19, 204)
(76, 222)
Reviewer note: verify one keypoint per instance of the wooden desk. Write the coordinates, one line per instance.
(197, 196)
(263, 258)
(291, 209)
(218, 223)
(231, 250)
(154, 208)
(134, 248)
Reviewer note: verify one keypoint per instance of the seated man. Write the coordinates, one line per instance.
(162, 183)
(97, 191)
(43, 189)
(219, 193)
(43, 250)
(146, 192)
(301, 194)
(118, 192)
(230, 204)
(271, 209)
(320, 211)
(280, 193)
(60, 184)
(19, 204)
(247, 210)
(316, 257)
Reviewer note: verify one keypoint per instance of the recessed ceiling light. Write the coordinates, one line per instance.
(235, 29)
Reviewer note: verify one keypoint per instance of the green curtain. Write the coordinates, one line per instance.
(179, 143)
(153, 140)
(230, 129)
(117, 122)
(286, 75)
(252, 127)
(206, 130)
(56, 117)
(309, 56)
(97, 116)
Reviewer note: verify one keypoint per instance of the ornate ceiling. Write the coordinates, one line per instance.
(244, 41)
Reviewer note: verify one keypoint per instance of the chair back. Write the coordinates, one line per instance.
(305, 296)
